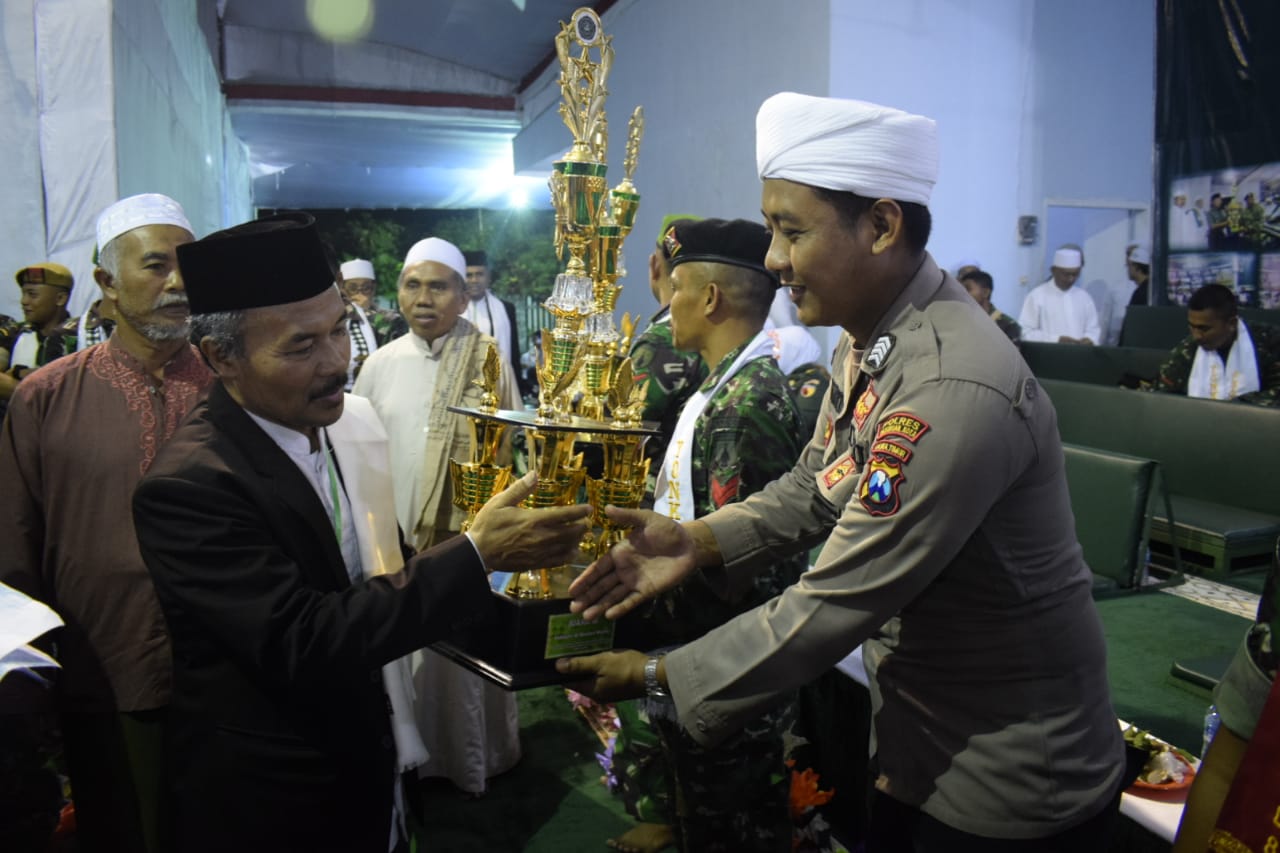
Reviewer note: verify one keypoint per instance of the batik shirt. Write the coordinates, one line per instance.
(673, 376)
(1176, 371)
(80, 434)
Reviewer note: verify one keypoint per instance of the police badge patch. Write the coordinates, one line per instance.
(879, 490)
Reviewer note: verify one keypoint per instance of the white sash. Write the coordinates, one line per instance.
(25, 350)
(498, 322)
(361, 448)
(1208, 378)
(676, 473)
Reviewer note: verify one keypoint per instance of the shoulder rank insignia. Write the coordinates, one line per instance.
(866, 402)
(879, 352)
(879, 490)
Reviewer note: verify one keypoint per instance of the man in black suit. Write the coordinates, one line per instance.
(268, 527)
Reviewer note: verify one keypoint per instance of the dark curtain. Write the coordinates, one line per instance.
(1217, 116)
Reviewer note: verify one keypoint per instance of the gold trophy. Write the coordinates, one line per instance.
(481, 478)
(587, 394)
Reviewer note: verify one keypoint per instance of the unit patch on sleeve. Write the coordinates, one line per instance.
(837, 472)
(901, 425)
(879, 490)
(891, 450)
(866, 403)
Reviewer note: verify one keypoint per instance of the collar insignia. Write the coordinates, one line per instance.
(866, 402)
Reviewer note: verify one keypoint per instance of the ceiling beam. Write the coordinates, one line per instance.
(350, 95)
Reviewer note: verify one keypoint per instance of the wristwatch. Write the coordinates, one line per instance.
(652, 687)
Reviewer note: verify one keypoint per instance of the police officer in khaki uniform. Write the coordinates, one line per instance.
(937, 473)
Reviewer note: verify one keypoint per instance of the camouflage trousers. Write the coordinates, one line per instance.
(732, 797)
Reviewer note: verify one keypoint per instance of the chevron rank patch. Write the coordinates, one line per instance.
(879, 352)
(901, 425)
(879, 490)
(826, 432)
(866, 402)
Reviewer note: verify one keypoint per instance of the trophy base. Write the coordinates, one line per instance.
(518, 650)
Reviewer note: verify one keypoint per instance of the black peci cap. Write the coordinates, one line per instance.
(272, 261)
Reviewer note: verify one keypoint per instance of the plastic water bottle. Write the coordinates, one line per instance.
(1211, 722)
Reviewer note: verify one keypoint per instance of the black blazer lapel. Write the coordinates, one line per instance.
(280, 477)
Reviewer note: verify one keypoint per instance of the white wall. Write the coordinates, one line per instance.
(701, 70)
(1034, 100)
(964, 63)
(22, 214)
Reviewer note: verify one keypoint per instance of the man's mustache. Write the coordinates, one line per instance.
(331, 387)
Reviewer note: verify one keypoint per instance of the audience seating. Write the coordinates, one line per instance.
(1109, 497)
(1096, 365)
(1162, 326)
(1220, 462)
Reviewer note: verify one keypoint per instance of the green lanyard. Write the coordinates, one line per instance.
(327, 450)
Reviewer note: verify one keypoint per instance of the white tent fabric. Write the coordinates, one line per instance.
(22, 214)
(77, 142)
(102, 99)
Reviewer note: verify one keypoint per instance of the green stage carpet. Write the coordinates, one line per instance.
(1146, 633)
(554, 801)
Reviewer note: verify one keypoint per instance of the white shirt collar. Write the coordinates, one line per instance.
(290, 440)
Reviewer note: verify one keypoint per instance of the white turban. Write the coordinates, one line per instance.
(852, 146)
(1141, 255)
(357, 269)
(1068, 259)
(440, 251)
(137, 211)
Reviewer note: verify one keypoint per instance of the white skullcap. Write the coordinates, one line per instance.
(358, 268)
(1141, 255)
(852, 146)
(1068, 259)
(440, 251)
(137, 211)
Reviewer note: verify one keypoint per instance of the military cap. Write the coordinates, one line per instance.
(47, 272)
(738, 242)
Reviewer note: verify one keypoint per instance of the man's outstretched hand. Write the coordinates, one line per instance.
(511, 538)
(657, 555)
(608, 676)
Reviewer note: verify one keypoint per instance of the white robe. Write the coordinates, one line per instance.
(1049, 313)
(470, 726)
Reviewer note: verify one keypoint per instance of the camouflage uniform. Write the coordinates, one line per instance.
(387, 324)
(60, 343)
(734, 796)
(1007, 324)
(9, 331)
(1175, 372)
(673, 377)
